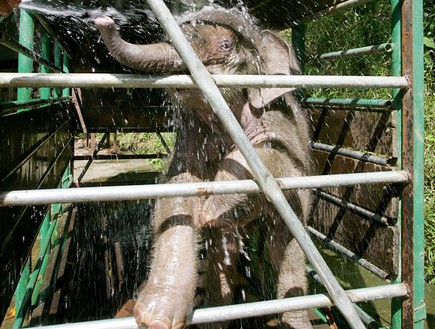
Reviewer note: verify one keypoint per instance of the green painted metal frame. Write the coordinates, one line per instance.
(407, 60)
(27, 294)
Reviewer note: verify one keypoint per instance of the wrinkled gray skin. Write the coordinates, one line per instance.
(227, 43)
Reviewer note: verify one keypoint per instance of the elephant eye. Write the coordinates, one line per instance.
(226, 44)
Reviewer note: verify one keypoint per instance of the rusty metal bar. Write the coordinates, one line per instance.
(349, 254)
(355, 209)
(153, 191)
(107, 80)
(413, 308)
(358, 155)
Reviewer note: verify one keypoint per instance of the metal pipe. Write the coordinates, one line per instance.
(358, 155)
(346, 103)
(232, 312)
(10, 108)
(384, 47)
(119, 156)
(349, 254)
(368, 320)
(17, 47)
(345, 5)
(154, 191)
(26, 39)
(107, 80)
(353, 208)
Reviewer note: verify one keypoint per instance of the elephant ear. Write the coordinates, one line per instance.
(277, 58)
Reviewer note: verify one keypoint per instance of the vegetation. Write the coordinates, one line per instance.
(429, 165)
(148, 143)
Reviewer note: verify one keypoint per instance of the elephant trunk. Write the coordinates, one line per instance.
(156, 58)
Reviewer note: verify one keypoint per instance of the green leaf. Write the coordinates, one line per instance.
(429, 42)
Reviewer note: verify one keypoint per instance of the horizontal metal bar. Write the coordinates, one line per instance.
(153, 191)
(355, 209)
(349, 254)
(384, 47)
(232, 312)
(10, 108)
(358, 155)
(367, 319)
(120, 156)
(106, 80)
(346, 103)
(17, 47)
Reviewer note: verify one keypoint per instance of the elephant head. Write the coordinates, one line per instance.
(226, 40)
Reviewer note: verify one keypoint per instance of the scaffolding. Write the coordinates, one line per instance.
(406, 176)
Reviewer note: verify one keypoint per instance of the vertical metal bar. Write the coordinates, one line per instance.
(298, 41)
(412, 157)
(26, 39)
(66, 66)
(57, 63)
(264, 177)
(44, 93)
(396, 37)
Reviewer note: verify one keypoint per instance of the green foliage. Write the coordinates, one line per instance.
(364, 26)
(429, 180)
(148, 143)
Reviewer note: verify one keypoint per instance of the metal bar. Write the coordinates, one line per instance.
(32, 151)
(362, 156)
(10, 108)
(368, 320)
(349, 254)
(91, 159)
(17, 47)
(26, 39)
(353, 208)
(107, 80)
(232, 312)
(345, 5)
(384, 47)
(413, 160)
(165, 145)
(119, 156)
(346, 103)
(154, 191)
(45, 93)
(396, 70)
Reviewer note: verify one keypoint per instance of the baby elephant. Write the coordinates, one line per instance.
(227, 42)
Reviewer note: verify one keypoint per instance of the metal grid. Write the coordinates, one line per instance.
(408, 79)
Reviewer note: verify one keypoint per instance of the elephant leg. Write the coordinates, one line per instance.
(292, 283)
(168, 296)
